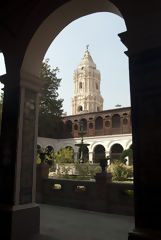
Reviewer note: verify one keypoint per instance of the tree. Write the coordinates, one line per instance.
(45, 155)
(50, 110)
(127, 153)
(64, 155)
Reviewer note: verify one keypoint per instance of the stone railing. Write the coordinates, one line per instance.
(116, 197)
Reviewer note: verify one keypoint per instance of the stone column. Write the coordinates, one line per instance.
(75, 156)
(145, 86)
(21, 216)
(107, 154)
(90, 157)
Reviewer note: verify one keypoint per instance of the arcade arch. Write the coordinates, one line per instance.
(116, 151)
(98, 153)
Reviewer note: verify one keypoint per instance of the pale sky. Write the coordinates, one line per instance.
(100, 31)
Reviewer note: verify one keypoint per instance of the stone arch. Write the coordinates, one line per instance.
(129, 144)
(116, 151)
(51, 26)
(98, 153)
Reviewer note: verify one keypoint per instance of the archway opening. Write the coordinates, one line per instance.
(98, 153)
(116, 151)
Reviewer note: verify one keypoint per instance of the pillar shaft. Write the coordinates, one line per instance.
(145, 87)
(18, 152)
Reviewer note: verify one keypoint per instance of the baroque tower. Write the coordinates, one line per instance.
(87, 96)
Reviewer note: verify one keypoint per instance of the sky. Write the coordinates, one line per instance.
(100, 31)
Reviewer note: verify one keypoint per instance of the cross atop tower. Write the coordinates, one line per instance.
(87, 46)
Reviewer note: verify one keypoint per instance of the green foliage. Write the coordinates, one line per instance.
(128, 192)
(64, 155)
(50, 109)
(127, 153)
(120, 172)
(45, 156)
(86, 169)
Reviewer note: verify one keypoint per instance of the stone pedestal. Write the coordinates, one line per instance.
(42, 172)
(20, 222)
(101, 184)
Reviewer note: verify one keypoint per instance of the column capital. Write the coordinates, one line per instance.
(137, 42)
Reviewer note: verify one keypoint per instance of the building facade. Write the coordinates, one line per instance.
(108, 133)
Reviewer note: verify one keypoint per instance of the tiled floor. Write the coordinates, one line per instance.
(62, 223)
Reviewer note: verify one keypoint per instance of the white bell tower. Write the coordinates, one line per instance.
(87, 96)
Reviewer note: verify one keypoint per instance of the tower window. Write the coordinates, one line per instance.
(96, 86)
(80, 108)
(80, 85)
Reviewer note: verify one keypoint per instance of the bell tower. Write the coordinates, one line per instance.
(87, 96)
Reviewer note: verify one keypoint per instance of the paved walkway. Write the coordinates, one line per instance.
(63, 223)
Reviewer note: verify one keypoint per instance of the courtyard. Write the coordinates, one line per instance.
(63, 223)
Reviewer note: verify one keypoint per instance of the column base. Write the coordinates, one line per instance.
(143, 234)
(22, 222)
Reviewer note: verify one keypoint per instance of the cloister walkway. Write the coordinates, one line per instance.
(63, 223)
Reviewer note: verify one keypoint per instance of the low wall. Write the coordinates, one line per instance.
(84, 195)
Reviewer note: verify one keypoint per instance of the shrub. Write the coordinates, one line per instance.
(120, 172)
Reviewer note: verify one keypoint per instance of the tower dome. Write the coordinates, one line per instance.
(87, 61)
(87, 96)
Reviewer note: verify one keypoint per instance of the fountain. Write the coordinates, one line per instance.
(82, 145)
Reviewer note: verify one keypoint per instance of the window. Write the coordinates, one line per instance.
(125, 121)
(80, 109)
(107, 123)
(80, 85)
(75, 127)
